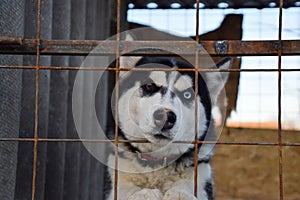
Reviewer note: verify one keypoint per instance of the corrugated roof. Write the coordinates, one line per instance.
(164, 4)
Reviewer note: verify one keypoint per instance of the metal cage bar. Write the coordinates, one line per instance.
(145, 141)
(280, 170)
(147, 69)
(38, 47)
(36, 112)
(196, 144)
(116, 141)
(84, 47)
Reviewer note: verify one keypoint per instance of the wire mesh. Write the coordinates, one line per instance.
(39, 47)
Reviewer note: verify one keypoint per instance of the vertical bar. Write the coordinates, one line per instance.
(44, 87)
(116, 102)
(196, 104)
(279, 103)
(197, 20)
(26, 127)
(36, 112)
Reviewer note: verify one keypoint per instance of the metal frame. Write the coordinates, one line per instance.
(39, 47)
(18, 45)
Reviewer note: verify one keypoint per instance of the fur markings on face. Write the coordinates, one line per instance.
(159, 105)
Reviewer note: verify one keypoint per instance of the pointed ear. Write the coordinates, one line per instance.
(216, 81)
(128, 61)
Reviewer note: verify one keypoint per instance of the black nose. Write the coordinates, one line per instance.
(164, 119)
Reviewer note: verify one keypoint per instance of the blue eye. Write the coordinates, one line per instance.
(187, 95)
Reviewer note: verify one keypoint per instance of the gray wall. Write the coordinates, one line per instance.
(65, 170)
(11, 23)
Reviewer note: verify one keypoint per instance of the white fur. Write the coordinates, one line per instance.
(216, 81)
(159, 78)
(183, 83)
(167, 182)
(136, 116)
(176, 180)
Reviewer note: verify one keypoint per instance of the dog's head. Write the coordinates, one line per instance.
(159, 105)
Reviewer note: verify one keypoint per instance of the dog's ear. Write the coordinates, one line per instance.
(128, 61)
(216, 80)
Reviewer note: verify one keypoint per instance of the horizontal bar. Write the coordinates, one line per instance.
(11, 40)
(147, 69)
(144, 141)
(159, 48)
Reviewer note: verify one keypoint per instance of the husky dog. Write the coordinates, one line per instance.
(158, 107)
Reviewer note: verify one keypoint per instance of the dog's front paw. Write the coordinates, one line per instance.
(175, 194)
(147, 194)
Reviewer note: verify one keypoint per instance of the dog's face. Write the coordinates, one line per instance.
(159, 106)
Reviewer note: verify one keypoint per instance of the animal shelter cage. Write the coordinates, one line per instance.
(44, 42)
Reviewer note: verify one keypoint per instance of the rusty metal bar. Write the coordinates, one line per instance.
(196, 145)
(279, 53)
(85, 47)
(116, 141)
(36, 111)
(147, 69)
(11, 40)
(145, 141)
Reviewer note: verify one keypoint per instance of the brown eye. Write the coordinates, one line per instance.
(150, 88)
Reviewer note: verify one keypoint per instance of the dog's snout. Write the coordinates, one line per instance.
(159, 115)
(164, 119)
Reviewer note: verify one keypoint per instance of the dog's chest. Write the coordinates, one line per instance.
(163, 178)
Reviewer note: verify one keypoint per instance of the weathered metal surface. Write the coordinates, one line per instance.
(145, 141)
(85, 47)
(145, 69)
(8, 40)
(221, 47)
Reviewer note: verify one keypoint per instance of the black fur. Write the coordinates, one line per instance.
(143, 77)
(209, 190)
(203, 92)
(161, 62)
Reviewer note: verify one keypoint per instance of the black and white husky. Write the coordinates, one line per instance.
(158, 107)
